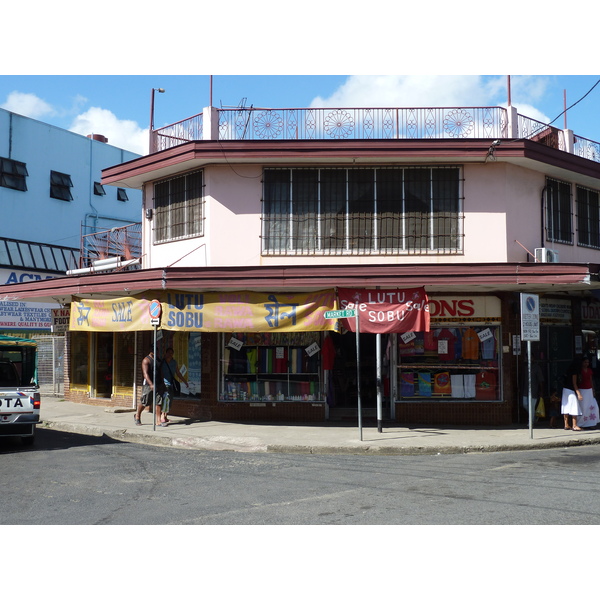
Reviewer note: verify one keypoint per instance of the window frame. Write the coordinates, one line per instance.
(559, 211)
(179, 207)
(122, 195)
(60, 184)
(99, 189)
(13, 174)
(355, 211)
(588, 217)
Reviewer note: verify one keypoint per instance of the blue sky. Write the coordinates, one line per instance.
(93, 72)
(118, 106)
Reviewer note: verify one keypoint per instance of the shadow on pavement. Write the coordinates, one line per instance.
(49, 439)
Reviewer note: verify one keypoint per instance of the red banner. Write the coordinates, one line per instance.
(386, 311)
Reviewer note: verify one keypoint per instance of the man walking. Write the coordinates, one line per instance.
(148, 390)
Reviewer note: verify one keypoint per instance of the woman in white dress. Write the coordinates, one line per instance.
(570, 406)
(587, 399)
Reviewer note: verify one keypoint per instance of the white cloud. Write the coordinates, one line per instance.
(121, 133)
(28, 105)
(437, 90)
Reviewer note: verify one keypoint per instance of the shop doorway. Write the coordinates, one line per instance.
(344, 383)
(103, 363)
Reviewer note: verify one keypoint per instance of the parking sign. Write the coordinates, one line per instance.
(530, 318)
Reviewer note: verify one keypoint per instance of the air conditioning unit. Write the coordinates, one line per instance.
(546, 255)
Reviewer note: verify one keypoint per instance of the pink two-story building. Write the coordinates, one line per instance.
(258, 222)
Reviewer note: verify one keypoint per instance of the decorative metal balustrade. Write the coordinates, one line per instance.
(586, 148)
(124, 242)
(361, 123)
(367, 124)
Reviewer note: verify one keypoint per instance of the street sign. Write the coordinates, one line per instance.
(155, 309)
(340, 314)
(530, 317)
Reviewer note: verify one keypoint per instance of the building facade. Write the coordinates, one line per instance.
(54, 206)
(257, 223)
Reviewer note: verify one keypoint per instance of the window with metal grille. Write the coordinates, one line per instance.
(12, 174)
(558, 211)
(60, 186)
(588, 217)
(386, 210)
(178, 210)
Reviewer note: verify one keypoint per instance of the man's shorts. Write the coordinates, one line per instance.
(147, 397)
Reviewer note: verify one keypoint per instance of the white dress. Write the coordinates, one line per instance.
(569, 404)
(589, 409)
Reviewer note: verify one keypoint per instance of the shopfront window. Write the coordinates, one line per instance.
(450, 363)
(80, 358)
(271, 367)
(124, 353)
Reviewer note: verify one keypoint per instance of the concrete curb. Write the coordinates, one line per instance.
(254, 444)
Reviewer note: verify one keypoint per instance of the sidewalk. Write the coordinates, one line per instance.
(314, 438)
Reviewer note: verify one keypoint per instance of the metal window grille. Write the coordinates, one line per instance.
(178, 207)
(588, 217)
(558, 211)
(414, 210)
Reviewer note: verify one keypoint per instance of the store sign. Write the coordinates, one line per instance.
(555, 311)
(386, 311)
(25, 316)
(464, 309)
(590, 313)
(60, 320)
(8, 276)
(209, 312)
(246, 311)
(119, 314)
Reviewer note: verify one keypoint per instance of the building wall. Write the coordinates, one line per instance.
(502, 207)
(44, 148)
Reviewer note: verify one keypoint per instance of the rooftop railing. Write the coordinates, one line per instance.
(367, 124)
(123, 242)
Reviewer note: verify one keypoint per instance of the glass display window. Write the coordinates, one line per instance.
(450, 363)
(271, 367)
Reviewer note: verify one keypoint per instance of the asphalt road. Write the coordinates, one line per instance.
(74, 479)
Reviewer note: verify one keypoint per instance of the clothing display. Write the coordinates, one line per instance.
(448, 363)
(273, 368)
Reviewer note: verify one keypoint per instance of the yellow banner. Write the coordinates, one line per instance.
(210, 312)
(247, 311)
(119, 314)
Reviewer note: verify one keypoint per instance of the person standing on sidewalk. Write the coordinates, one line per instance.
(570, 404)
(148, 389)
(169, 370)
(586, 396)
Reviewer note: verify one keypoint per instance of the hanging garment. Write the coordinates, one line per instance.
(442, 384)
(425, 384)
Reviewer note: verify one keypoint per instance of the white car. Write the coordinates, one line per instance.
(19, 404)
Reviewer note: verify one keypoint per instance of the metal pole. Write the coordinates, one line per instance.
(358, 376)
(154, 384)
(379, 383)
(530, 399)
